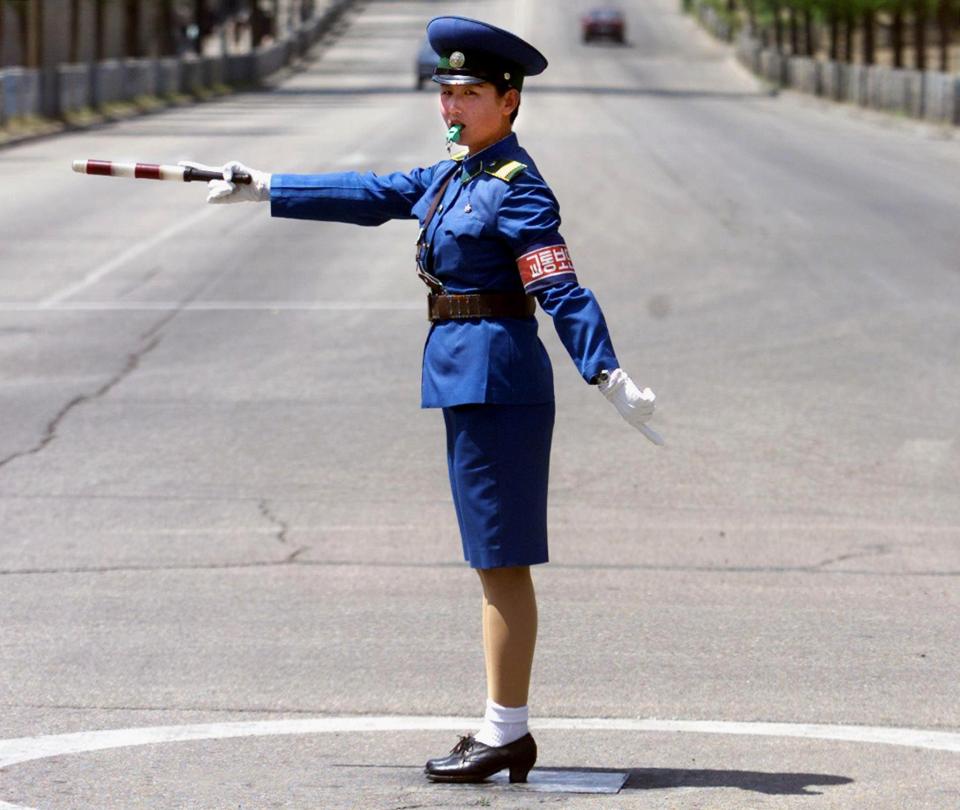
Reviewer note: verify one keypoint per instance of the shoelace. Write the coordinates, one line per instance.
(465, 744)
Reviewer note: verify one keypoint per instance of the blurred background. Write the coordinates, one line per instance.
(41, 32)
(901, 33)
(66, 60)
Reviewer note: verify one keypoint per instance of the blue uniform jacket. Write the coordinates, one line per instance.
(496, 230)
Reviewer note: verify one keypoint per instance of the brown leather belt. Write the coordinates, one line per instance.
(480, 305)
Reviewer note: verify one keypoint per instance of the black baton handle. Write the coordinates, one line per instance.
(189, 174)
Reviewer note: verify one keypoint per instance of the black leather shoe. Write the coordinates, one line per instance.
(472, 761)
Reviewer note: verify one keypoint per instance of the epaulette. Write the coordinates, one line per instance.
(506, 170)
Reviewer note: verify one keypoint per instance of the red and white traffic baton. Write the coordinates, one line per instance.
(153, 171)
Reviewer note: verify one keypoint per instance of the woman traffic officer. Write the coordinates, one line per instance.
(490, 250)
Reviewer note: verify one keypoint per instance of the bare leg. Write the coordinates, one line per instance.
(509, 632)
(509, 637)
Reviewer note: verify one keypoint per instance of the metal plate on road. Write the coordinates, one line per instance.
(547, 780)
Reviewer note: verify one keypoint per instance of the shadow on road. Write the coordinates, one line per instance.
(771, 784)
(774, 784)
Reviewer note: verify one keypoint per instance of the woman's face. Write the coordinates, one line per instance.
(484, 114)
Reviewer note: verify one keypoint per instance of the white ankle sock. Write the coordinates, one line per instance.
(502, 724)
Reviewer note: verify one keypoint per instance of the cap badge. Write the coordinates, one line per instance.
(457, 60)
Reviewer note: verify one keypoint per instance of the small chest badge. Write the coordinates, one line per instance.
(457, 60)
(467, 208)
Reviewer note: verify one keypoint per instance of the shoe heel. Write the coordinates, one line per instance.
(518, 773)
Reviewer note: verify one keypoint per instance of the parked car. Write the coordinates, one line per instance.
(606, 22)
(426, 63)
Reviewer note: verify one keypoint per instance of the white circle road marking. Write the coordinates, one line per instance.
(26, 749)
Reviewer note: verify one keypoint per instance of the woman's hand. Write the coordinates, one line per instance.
(634, 405)
(224, 191)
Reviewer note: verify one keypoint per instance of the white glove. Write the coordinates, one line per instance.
(634, 405)
(223, 191)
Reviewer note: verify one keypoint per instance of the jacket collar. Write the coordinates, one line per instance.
(474, 164)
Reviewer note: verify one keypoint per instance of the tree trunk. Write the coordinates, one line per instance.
(34, 43)
(777, 25)
(896, 36)
(99, 34)
(809, 37)
(834, 27)
(200, 20)
(869, 46)
(920, 34)
(74, 49)
(20, 17)
(257, 24)
(263, 24)
(794, 30)
(166, 40)
(849, 25)
(752, 16)
(943, 23)
(131, 25)
(3, 30)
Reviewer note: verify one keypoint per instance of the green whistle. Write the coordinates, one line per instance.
(453, 134)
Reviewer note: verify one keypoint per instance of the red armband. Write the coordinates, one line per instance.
(541, 266)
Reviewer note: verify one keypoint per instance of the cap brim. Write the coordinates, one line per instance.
(459, 80)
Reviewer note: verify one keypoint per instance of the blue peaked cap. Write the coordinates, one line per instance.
(472, 52)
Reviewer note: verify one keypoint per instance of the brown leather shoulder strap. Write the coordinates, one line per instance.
(430, 280)
(436, 200)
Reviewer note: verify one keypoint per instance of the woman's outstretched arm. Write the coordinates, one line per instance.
(352, 197)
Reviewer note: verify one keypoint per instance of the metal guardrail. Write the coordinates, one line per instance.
(929, 95)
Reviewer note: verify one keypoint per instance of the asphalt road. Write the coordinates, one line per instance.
(220, 501)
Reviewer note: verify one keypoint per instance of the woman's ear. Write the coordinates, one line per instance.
(511, 100)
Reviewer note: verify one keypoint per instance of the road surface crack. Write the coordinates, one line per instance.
(152, 337)
(291, 560)
(282, 529)
(53, 426)
(872, 550)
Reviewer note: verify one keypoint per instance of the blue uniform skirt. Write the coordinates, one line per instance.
(498, 457)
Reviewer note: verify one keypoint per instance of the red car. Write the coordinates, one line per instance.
(604, 23)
